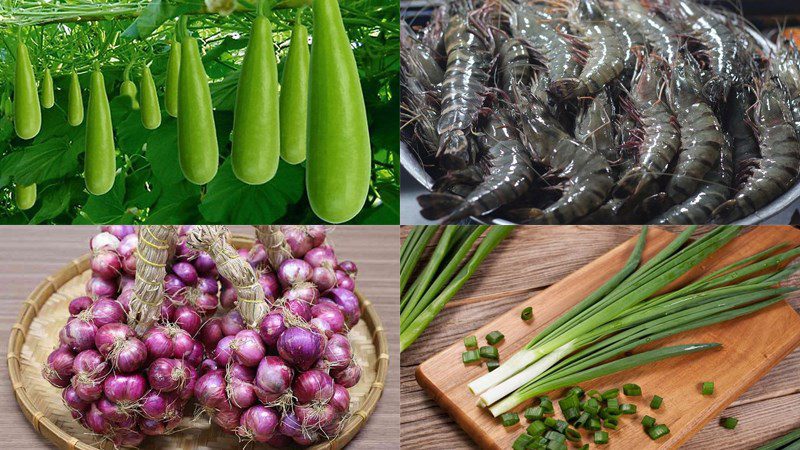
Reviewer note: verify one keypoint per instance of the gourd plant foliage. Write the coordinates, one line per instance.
(149, 186)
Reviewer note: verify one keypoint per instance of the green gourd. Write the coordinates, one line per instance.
(128, 89)
(75, 101)
(25, 196)
(294, 97)
(48, 96)
(256, 147)
(173, 73)
(151, 111)
(198, 151)
(100, 159)
(27, 112)
(339, 154)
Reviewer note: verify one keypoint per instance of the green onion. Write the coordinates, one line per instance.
(708, 388)
(494, 337)
(593, 424)
(612, 406)
(600, 437)
(631, 389)
(546, 404)
(571, 401)
(509, 419)
(420, 306)
(536, 428)
(592, 406)
(611, 393)
(611, 423)
(572, 435)
(522, 441)
(793, 437)
(491, 365)
(527, 313)
(470, 356)
(561, 426)
(648, 421)
(534, 413)
(627, 408)
(470, 342)
(554, 435)
(623, 314)
(412, 250)
(655, 403)
(489, 352)
(657, 431)
(730, 422)
(585, 447)
(572, 414)
(576, 391)
(582, 419)
(550, 422)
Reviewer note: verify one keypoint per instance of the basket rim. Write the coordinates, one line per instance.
(48, 429)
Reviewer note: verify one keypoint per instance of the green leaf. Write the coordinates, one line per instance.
(139, 192)
(57, 198)
(108, 208)
(177, 205)
(162, 153)
(230, 201)
(51, 159)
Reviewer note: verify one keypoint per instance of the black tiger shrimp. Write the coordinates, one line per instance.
(787, 70)
(701, 134)
(661, 37)
(657, 137)
(464, 89)
(779, 164)
(605, 58)
(738, 121)
(505, 173)
(713, 192)
(594, 126)
(417, 58)
(587, 174)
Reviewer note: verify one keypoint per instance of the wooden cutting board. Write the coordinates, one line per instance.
(751, 346)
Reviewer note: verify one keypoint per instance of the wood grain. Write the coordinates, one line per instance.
(424, 425)
(28, 253)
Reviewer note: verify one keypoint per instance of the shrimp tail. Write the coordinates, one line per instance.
(438, 206)
(632, 183)
(727, 212)
(566, 88)
(454, 150)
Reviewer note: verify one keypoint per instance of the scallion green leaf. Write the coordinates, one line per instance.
(655, 403)
(494, 337)
(648, 421)
(730, 422)
(708, 388)
(534, 413)
(657, 431)
(527, 313)
(470, 356)
(631, 389)
(627, 408)
(509, 419)
(611, 393)
(470, 342)
(600, 437)
(536, 428)
(489, 352)
(491, 365)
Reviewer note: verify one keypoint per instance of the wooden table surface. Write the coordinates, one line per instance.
(28, 254)
(534, 258)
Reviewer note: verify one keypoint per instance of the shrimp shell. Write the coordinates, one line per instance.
(738, 122)
(508, 175)
(463, 89)
(780, 157)
(595, 128)
(701, 134)
(661, 37)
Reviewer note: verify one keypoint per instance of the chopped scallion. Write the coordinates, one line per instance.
(658, 431)
(627, 408)
(648, 421)
(612, 423)
(582, 419)
(522, 442)
(632, 389)
(534, 413)
(536, 428)
(509, 419)
(611, 393)
(572, 435)
(612, 406)
(730, 422)
(550, 422)
(491, 365)
(708, 388)
(592, 406)
(489, 352)
(561, 426)
(470, 342)
(546, 404)
(593, 424)
(494, 337)
(527, 313)
(600, 437)
(470, 356)
(576, 391)
(656, 402)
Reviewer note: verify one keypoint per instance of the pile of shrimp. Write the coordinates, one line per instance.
(598, 111)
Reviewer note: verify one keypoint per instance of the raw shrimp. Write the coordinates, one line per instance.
(788, 72)
(661, 37)
(738, 122)
(561, 53)
(514, 66)
(507, 175)
(658, 137)
(587, 173)
(712, 192)
(631, 39)
(433, 34)
(780, 156)
(605, 60)
(701, 134)
(464, 88)
(720, 47)
(418, 58)
(594, 126)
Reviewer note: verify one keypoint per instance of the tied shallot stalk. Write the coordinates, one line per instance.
(250, 295)
(275, 242)
(153, 251)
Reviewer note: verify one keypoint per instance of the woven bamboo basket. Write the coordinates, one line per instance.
(35, 335)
